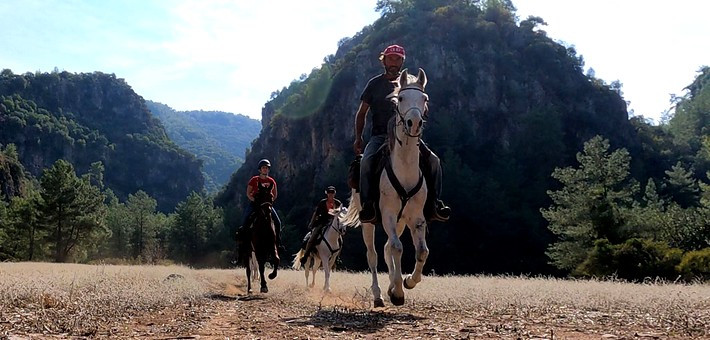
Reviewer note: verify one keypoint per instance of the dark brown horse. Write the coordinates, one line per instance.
(263, 239)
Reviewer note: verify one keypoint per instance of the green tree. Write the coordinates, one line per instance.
(682, 187)
(141, 210)
(4, 226)
(26, 231)
(71, 209)
(196, 221)
(117, 221)
(591, 204)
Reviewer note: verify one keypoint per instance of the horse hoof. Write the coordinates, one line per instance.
(272, 276)
(379, 303)
(397, 301)
(264, 289)
(249, 291)
(406, 283)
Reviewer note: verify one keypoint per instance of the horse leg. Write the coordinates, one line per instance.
(248, 267)
(326, 271)
(368, 235)
(275, 263)
(264, 288)
(393, 256)
(274, 272)
(421, 254)
(316, 264)
(307, 268)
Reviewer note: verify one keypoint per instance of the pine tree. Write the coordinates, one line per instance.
(141, 212)
(196, 221)
(592, 203)
(681, 187)
(71, 209)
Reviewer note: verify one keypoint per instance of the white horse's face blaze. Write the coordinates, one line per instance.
(412, 102)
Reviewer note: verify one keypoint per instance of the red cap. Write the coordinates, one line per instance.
(394, 49)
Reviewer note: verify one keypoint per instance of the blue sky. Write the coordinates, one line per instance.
(230, 55)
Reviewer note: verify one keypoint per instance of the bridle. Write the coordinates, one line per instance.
(400, 115)
(341, 233)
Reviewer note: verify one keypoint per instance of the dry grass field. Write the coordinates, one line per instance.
(41, 300)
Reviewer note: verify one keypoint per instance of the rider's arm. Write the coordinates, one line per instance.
(313, 220)
(274, 192)
(250, 192)
(360, 125)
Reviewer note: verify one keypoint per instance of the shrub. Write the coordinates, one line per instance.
(632, 260)
(640, 258)
(695, 265)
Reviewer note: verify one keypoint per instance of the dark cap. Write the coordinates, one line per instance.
(330, 189)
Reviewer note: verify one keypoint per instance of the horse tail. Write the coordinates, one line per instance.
(352, 217)
(297, 261)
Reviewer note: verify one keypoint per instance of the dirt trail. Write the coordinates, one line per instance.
(279, 315)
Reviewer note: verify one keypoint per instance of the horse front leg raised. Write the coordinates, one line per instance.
(275, 263)
(421, 253)
(368, 236)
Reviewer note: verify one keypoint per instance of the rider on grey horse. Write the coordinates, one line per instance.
(377, 98)
(320, 218)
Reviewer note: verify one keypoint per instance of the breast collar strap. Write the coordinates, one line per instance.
(404, 196)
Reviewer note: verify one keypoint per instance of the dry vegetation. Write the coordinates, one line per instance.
(67, 300)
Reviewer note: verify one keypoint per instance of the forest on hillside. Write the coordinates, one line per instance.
(219, 139)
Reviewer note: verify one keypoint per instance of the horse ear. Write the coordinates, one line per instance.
(403, 78)
(421, 78)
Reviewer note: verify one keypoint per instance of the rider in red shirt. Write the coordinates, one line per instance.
(262, 180)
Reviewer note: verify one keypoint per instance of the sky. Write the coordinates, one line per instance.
(231, 55)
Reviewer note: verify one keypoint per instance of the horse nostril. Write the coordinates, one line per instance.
(409, 123)
(420, 123)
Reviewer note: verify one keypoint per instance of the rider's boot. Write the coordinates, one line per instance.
(279, 247)
(309, 246)
(368, 214)
(307, 250)
(436, 210)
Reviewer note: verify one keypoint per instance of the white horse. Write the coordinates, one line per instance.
(403, 192)
(327, 250)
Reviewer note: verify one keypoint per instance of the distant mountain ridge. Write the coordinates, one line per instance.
(219, 139)
(89, 117)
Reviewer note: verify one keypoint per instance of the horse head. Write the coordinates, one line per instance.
(412, 103)
(337, 214)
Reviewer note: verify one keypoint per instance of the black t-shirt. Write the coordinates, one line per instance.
(321, 214)
(379, 93)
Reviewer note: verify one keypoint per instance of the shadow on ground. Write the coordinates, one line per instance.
(347, 320)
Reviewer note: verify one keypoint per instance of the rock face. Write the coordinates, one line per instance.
(12, 178)
(507, 106)
(85, 118)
